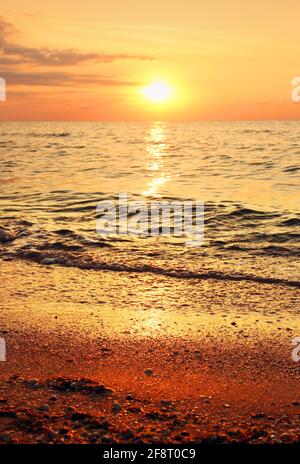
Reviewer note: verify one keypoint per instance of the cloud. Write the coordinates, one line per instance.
(52, 57)
(6, 28)
(69, 57)
(17, 78)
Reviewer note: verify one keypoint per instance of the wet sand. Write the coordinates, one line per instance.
(103, 356)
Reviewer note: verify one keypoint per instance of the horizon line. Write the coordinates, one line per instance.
(149, 120)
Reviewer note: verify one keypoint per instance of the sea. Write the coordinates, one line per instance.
(54, 174)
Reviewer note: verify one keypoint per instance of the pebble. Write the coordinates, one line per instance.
(165, 403)
(128, 434)
(116, 407)
(44, 407)
(103, 390)
(260, 415)
(63, 431)
(6, 236)
(48, 261)
(205, 397)
(134, 410)
(34, 383)
(5, 437)
(80, 416)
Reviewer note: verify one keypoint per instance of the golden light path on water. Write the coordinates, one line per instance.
(156, 149)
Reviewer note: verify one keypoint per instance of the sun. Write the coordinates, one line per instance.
(158, 92)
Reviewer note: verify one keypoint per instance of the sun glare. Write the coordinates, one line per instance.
(157, 92)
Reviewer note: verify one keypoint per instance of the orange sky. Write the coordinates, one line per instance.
(227, 59)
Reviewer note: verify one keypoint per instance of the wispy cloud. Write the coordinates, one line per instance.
(52, 57)
(18, 78)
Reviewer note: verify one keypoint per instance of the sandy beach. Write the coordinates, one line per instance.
(149, 229)
(104, 357)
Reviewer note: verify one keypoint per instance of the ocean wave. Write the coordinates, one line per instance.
(181, 273)
(291, 222)
(49, 134)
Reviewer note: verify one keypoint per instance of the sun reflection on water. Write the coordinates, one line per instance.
(157, 148)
